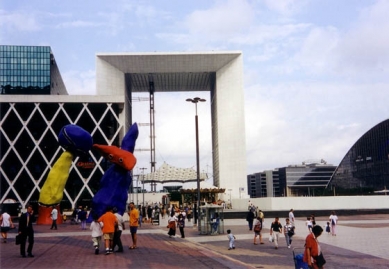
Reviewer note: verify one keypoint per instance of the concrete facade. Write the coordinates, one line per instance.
(315, 203)
(221, 73)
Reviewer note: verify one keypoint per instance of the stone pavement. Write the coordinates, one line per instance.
(361, 243)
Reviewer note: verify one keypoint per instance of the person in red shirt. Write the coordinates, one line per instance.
(110, 223)
(312, 247)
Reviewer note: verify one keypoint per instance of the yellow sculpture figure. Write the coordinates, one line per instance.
(74, 140)
(52, 190)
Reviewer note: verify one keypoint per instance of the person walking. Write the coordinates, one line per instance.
(288, 232)
(231, 240)
(309, 224)
(82, 215)
(6, 225)
(328, 228)
(250, 219)
(257, 230)
(149, 214)
(54, 216)
(26, 230)
(172, 224)
(312, 253)
(117, 241)
(261, 216)
(140, 215)
(291, 216)
(181, 224)
(97, 232)
(333, 219)
(109, 222)
(249, 205)
(134, 222)
(215, 224)
(275, 230)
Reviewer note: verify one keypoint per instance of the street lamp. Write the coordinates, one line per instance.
(143, 182)
(230, 198)
(195, 101)
(137, 190)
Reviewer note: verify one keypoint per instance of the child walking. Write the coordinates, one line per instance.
(231, 239)
(95, 227)
(328, 229)
(309, 224)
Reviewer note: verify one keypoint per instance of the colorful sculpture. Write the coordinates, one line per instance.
(116, 181)
(75, 141)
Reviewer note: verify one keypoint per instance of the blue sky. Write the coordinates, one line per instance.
(316, 72)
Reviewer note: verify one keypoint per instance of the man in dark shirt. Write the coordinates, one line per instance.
(26, 230)
(250, 219)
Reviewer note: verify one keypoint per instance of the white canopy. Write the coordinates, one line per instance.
(167, 173)
(203, 185)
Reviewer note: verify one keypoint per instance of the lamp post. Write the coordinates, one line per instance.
(195, 101)
(230, 198)
(137, 190)
(143, 182)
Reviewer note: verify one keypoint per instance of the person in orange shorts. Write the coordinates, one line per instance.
(110, 222)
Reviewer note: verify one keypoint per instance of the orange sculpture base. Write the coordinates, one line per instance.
(44, 215)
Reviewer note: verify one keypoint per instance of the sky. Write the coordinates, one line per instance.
(316, 73)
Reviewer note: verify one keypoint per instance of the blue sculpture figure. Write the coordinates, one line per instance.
(116, 181)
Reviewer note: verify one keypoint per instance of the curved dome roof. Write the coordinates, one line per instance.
(366, 164)
(167, 173)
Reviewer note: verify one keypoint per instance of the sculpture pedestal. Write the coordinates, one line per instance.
(44, 215)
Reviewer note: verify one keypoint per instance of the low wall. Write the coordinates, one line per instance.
(314, 203)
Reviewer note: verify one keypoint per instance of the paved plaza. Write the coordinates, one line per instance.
(362, 242)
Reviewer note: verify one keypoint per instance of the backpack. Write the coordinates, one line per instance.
(332, 221)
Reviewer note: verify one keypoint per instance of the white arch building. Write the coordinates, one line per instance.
(221, 73)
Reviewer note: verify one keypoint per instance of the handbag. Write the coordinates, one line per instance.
(271, 239)
(18, 239)
(320, 261)
(257, 228)
(291, 232)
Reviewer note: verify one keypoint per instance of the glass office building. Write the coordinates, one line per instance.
(365, 167)
(264, 184)
(29, 70)
(307, 179)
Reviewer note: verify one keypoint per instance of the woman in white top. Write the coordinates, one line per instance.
(172, 224)
(6, 225)
(333, 222)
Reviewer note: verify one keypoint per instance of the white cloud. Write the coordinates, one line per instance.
(317, 51)
(78, 24)
(80, 83)
(285, 7)
(263, 33)
(335, 52)
(175, 129)
(19, 21)
(364, 48)
(224, 20)
(287, 123)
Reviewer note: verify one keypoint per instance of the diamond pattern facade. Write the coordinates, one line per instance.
(29, 147)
